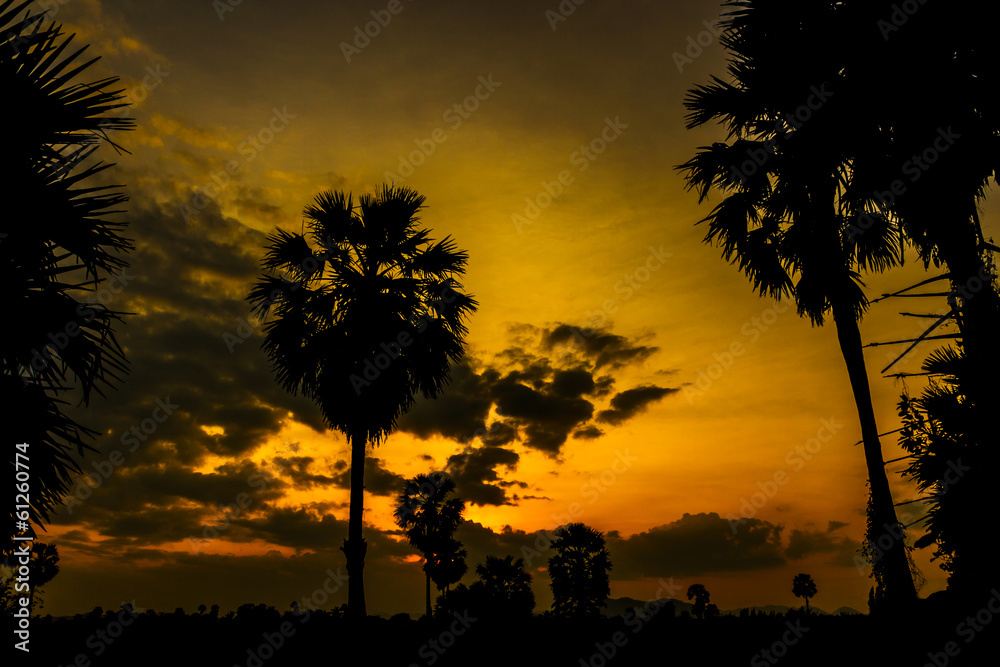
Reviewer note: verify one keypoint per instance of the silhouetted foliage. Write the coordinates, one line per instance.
(580, 571)
(791, 216)
(701, 597)
(43, 566)
(506, 586)
(368, 314)
(57, 247)
(429, 518)
(930, 91)
(803, 587)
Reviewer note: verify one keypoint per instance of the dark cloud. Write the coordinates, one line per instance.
(836, 525)
(588, 433)
(697, 544)
(378, 480)
(541, 399)
(601, 347)
(476, 477)
(128, 492)
(547, 418)
(191, 341)
(804, 543)
(631, 402)
(459, 413)
(297, 469)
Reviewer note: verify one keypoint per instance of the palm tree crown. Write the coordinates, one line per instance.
(429, 518)
(57, 245)
(368, 311)
(580, 571)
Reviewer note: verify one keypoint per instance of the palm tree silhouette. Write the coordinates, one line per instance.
(803, 587)
(788, 220)
(429, 518)
(506, 586)
(579, 571)
(367, 314)
(57, 246)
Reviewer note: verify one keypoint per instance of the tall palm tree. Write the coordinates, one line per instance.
(57, 245)
(580, 571)
(789, 219)
(429, 518)
(368, 313)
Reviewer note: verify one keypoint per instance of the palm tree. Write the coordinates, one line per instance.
(57, 246)
(506, 586)
(429, 518)
(789, 220)
(580, 571)
(447, 564)
(367, 314)
(803, 587)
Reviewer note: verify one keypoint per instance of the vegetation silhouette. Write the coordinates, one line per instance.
(937, 116)
(701, 597)
(58, 244)
(580, 571)
(502, 593)
(506, 586)
(367, 314)
(789, 215)
(429, 518)
(43, 564)
(803, 587)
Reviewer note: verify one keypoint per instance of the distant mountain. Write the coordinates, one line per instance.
(843, 611)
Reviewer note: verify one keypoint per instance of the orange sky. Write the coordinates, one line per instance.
(549, 155)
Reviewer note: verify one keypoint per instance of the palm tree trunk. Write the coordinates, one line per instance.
(354, 546)
(892, 568)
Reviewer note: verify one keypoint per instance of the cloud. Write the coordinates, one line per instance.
(600, 346)
(458, 413)
(378, 480)
(190, 134)
(804, 543)
(547, 418)
(296, 469)
(631, 402)
(697, 544)
(475, 474)
(588, 433)
(538, 399)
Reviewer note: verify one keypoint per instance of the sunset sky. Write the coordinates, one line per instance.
(546, 145)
